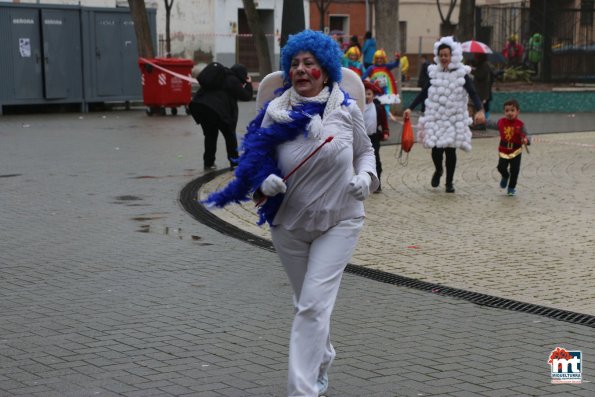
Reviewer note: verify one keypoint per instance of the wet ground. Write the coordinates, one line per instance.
(108, 287)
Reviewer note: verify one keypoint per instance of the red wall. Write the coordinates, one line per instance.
(355, 9)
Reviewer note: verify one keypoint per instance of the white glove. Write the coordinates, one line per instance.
(359, 187)
(272, 186)
(315, 127)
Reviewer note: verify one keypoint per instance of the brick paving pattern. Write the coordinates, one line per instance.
(108, 288)
(537, 247)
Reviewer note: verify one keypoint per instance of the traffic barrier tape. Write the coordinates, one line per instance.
(178, 75)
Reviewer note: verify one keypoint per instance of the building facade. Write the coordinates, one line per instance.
(206, 30)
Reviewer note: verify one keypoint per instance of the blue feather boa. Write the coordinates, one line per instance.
(258, 159)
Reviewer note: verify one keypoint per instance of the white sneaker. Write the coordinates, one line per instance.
(322, 381)
(322, 384)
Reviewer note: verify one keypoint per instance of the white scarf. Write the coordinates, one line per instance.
(279, 107)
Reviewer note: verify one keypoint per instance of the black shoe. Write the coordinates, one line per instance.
(504, 182)
(436, 179)
(211, 167)
(233, 163)
(449, 188)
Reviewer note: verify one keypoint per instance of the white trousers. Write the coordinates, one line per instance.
(314, 262)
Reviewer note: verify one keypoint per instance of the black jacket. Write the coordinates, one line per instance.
(223, 101)
(424, 77)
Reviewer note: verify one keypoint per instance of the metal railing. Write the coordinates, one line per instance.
(567, 29)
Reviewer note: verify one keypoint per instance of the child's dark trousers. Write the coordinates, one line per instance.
(513, 174)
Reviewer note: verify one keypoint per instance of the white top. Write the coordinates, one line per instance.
(370, 118)
(317, 196)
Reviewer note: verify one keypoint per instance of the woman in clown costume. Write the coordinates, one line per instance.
(444, 127)
(315, 215)
(351, 60)
(380, 73)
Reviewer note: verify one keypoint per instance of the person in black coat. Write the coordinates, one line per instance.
(215, 108)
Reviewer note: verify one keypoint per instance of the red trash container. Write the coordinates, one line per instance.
(163, 90)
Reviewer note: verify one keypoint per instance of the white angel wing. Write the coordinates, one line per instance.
(267, 87)
(353, 85)
(350, 82)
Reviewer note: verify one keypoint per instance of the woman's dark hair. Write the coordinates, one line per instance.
(354, 41)
(481, 58)
(443, 46)
(368, 35)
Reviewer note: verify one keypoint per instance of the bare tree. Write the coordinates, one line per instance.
(466, 26)
(144, 43)
(322, 6)
(447, 28)
(260, 40)
(387, 30)
(293, 19)
(168, 6)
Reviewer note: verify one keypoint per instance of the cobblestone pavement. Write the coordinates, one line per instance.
(537, 247)
(109, 288)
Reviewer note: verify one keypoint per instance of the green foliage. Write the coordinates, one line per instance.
(517, 73)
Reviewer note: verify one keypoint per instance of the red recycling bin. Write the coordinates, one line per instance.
(163, 90)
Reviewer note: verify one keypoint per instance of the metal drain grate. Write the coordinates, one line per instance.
(201, 214)
(206, 217)
(474, 297)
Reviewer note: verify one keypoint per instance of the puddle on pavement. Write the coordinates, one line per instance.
(165, 230)
(144, 229)
(187, 174)
(146, 218)
(125, 199)
(128, 197)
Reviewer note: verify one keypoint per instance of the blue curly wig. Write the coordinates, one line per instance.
(323, 47)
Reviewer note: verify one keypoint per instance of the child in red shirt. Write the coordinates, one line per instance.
(513, 135)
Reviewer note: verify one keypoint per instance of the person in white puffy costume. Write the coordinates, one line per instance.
(444, 127)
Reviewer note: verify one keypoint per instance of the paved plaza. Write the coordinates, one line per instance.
(537, 247)
(108, 287)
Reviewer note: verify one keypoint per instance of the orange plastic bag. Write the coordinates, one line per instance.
(407, 141)
(407, 138)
